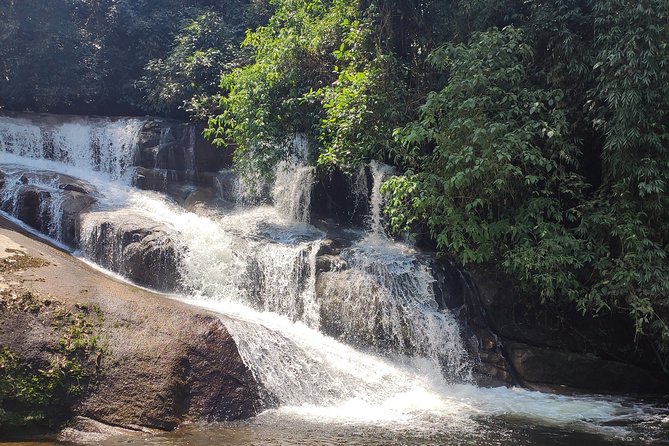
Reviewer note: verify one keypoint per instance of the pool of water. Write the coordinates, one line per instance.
(280, 427)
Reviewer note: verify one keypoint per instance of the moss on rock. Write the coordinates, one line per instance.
(37, 392)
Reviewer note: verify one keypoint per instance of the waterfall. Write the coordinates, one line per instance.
(379, 173)
(388, 295)
(246, 257)
(189, 152)
(292, 190)
(102, 144)
(293, 182)
(362, 340)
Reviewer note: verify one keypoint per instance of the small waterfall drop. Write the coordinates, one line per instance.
(388, 297)
(254, 258)
(379, 173)
(101, 144)
(293, 183)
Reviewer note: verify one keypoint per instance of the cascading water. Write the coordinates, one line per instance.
(379, 173)
(362, 343)
(388, 297)
(100, 144)
(292, 185)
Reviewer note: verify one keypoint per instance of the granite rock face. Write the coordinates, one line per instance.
(557, 350)
(155, 363)
(163, 371)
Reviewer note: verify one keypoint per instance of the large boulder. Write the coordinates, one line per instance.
(134, 246)
(31, 205)
(72, 205)
(121, 355)
(170, 369)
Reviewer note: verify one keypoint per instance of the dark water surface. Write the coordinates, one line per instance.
(274, 428)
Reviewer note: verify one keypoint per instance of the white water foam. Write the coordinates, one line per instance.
(107, 145)
(379, 173)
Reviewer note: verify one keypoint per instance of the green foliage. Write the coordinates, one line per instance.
(270, 100)
(207, 46)
(322, 69)
(630, 215)
(40, 54)
(90, 55)
(494, 159)
(495, 183)
(530, 134)
(361, 107)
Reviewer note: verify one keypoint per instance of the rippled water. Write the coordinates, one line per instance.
(279, 427)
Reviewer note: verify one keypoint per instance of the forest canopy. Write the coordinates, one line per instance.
(532, 135)
(118, 56)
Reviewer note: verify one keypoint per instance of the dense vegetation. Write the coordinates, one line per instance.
(529, 134)
(118, 56)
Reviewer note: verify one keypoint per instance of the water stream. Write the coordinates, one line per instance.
(356, 355)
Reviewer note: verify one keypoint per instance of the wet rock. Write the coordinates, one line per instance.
(31, 206)
(452, 287)
(336, 196)
(490, 366)
(47, 201)
(72, 205)
(201, 197)
(555, 370)
(209, 158)
(133, 246)
(56, 180)
(554, 348)
(172, 145)
(151, 259)
(328, 259)
(157, 179)
(156, 363)
(455, 291)
(329, 247)
(173, 182)
(327, 263)
(364, 327)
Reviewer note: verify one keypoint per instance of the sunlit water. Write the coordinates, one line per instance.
(256, 267)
